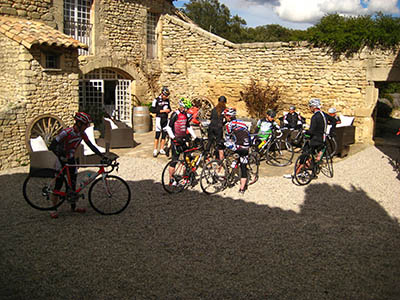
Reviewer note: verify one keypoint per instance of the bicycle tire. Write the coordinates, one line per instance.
(331, 146)
(180, 178)
(253, 169)
(38, 187)
(296, 144)
(214, 177)
(109, 195)
(326, 165)
(279, 154)
(303, 174)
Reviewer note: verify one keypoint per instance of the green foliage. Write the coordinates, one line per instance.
(348, 35)
(259, 97)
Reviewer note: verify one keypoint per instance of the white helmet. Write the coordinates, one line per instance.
(332, 110)
(315, 102)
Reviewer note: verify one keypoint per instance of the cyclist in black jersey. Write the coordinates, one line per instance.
(333, 120)
(292, 119)
(216, 127)
(318, 127)
(161, 107)
(238, 132)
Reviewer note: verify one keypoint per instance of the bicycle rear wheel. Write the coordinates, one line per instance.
(279, 153)
(303, 169)
(326, 165)
(252, 168)
(109, 195)
(38, 188)
(213, 178)
(179, 179)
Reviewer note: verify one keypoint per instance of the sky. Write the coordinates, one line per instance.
(301, 14)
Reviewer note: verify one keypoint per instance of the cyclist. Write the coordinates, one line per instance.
(238, 131)
(215, 129)
(161, 107)
(292, 119)
(333, 119)
(318, 127)
(176, 128)
(64, 146)
(264, 128)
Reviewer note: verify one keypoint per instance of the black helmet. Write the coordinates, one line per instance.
(165, 91)
(222, 99)
(271, 113)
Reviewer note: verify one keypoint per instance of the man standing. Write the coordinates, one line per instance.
(161, 107)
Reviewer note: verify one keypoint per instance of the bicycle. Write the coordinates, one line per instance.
(220, 174)
(295, 138)
(307, 168)
(274, 149)
(331, 145)
(108, 195)
(185, 170)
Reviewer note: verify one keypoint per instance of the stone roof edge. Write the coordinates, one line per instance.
(195, 28)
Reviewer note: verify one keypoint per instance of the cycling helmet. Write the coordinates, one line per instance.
(292, 107)
(332, 110)
(230, 112)
(315, 102)
(186, 103)
(165, 91)
(222, 99)
(83, 118)
(271, 113)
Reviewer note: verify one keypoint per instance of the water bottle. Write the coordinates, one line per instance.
(194, 161)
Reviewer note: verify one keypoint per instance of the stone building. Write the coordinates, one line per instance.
(57, 55)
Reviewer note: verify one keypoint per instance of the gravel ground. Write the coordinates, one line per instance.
(336, 238)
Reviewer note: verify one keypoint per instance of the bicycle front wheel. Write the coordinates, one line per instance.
(304, 169)
(331, 146)
(213, 178)
(279, 153)
(109, 195)
(179, 179)
(38, 189)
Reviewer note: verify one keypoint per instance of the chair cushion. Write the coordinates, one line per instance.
(38, 144)
(86, 150)
(113, 125)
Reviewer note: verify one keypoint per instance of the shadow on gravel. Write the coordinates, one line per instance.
(342, 245)
(392, 153)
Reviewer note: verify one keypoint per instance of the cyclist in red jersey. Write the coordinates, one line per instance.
(177, 126)
(64, 146)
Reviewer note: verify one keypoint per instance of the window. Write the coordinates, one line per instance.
(52, 61)
(77, 21)
(152, 20)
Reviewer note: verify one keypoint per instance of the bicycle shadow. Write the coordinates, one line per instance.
(340, 245)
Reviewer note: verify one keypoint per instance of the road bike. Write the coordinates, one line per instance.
(185, 174)
(217, 175)
(108, 194)
(331, 145)
(307, 167)
(273, 149)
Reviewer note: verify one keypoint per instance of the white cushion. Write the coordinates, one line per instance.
(86, 150)
(38, 144)
(113, 125)
(346, 121)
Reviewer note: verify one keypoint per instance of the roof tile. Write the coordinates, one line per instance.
(29, 33)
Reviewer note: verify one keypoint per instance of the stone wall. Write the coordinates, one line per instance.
(196, 62)
(32, 92)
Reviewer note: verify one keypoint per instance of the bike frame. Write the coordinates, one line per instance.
(101, 171)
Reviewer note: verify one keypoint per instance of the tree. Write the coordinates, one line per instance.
(216, 18)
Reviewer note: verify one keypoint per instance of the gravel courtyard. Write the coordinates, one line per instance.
(336, 238)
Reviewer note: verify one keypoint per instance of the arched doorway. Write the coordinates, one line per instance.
(107, 90)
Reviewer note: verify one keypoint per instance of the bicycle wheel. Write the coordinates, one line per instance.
(326, 165)
(179, 179)
(252, 169)
(38, 188)
(303, 169)
(109, 195)
(213, 178)
(279, 153)
(295, 139)
(331, 146)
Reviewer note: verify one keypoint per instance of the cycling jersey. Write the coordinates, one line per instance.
(159, 104)
(68, 140)
(240, 131)
(293, 120)
(265, 128)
